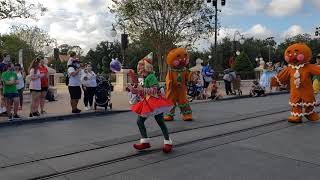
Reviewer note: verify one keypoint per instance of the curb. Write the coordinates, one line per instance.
(23, 121)
(239, 97)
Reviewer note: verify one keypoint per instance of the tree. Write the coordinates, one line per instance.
(314, 44)
(164, 23)
(64, 49)
(20, 9)
(34, 36)
(101, 57)
(12, 44)
(243, 63)
(77, 49)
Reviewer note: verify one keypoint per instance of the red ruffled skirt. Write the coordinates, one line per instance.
(152, 106)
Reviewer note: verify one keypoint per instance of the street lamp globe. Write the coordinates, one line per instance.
(209, 56)
(238, 53)
(261, 59)
(257, 59)
(113, 32)
(241, 41)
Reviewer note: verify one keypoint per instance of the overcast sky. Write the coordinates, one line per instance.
(87, 22)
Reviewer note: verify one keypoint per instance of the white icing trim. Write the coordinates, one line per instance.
(297, 80)
(296, 67)
(168, 142)
(301, 114)
(302, 104)
(279, 82)
(145, 140)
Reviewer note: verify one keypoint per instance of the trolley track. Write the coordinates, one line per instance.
(174, 131)
(116, 160)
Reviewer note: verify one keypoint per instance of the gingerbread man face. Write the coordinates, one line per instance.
(178, 58)
(297, 54)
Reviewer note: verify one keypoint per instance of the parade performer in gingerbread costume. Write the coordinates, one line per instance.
(176, 83)
(152, 103)
(299, 71)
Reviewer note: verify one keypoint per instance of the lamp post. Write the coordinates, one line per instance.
(241, 41)
(258, 60)
(269, 39)
(113, 32)
(216, 10)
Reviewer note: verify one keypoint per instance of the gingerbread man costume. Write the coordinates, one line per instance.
(176, 83)
(299, 72)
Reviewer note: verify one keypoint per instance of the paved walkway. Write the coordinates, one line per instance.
(39, 149)
(227, 140)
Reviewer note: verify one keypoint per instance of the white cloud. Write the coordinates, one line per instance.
(81, 22)
(284, 7)
(239, 7)
(258, 31)
(292, 31)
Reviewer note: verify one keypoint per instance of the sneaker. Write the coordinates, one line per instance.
(87, 108)
(31, 115)
(76, 111)
(16, 116)
(43, 112)
(36, 114)
(10, 118)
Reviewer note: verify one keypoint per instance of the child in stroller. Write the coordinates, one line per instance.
(256, 89)
(212, 91)
(195, 87)
(103, 93)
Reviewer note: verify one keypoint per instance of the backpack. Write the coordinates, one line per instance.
(50, 96)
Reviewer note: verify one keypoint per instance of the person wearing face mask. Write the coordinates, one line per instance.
(89, 84)
(10, 92)
(74, 85)
(44, 83)
(5, 60)
(20, 87)
(35, 87)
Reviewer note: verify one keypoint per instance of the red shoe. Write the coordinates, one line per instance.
(144, 144)
(167, 147)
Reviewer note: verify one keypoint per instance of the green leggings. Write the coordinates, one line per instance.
(160, 121)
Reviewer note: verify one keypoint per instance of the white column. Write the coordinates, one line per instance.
(121, 80)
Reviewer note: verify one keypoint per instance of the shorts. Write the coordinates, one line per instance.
(75, 92)
(35, 90)
(44, 89)
(11, 95)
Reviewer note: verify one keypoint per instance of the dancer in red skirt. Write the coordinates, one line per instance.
(152, 103)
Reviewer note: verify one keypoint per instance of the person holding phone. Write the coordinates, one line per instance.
(44, 73)
(89, 84)
(20, 86)
(35, 87)
(10, 92)
(74, 86)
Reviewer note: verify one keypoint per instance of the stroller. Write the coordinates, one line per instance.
(191, 92)
(103, 93)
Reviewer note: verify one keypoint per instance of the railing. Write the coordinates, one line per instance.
(217, 76)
